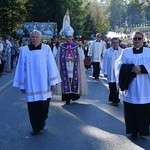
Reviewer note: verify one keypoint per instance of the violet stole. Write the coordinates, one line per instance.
(63, 68)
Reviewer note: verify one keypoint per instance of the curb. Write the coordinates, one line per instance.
(6, 85)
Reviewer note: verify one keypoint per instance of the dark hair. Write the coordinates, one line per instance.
(54, 37)
(138, 32)
(115, 38)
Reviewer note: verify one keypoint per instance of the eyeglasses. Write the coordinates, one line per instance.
(137, 38)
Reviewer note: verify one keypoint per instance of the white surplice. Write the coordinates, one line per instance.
(96, 51)
(139, 89)
(36, 72)
(55, 49)
(109, 59)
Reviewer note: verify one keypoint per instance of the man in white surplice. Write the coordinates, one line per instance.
(96, 52)
(36, 76)
(109, 59)
(135, 96)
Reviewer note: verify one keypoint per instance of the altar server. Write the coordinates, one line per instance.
(36, 76)
(109, 59)
(135, 63)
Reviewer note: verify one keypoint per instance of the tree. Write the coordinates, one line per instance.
(146, 10)
(13, 14)
(39, 10)
(89, 27)
(135, 13)
(117, 13)
(54, 11)
(95, 20)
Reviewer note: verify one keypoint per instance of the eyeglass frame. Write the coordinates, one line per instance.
(137, 38)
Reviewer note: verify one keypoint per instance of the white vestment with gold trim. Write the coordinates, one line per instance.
(36, 72)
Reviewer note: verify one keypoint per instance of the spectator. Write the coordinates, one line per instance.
(54, 45)
(87, 60)
(1, 53)
(8, 49)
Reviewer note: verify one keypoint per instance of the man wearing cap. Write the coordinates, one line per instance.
(36, 76)
(96, 51)
(71, 67)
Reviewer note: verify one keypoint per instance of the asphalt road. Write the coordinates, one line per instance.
(90, 123)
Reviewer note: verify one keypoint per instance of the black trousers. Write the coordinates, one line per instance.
(38, 113)
(137, 118)
(70, 96)
(2, 66)
(113, 93)
(96, 69)
(12, 61)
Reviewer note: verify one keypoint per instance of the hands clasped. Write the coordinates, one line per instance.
(136, 70)
(69, 59)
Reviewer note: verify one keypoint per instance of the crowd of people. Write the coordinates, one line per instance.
(9, 52)
(59, 66)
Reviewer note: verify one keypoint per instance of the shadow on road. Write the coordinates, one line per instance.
(94, 116)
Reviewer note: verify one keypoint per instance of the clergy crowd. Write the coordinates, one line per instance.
(59, 67)
(43, 69)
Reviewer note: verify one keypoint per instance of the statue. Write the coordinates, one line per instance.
(66, 22)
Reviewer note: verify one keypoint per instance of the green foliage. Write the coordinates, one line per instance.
(134, 12)
(13, 14)
(87, 17)
(117, 13)
(96, 19)
(54, 11)
(89, 27)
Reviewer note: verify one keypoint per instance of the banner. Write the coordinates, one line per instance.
(48, 29)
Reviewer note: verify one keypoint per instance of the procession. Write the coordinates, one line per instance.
(64, 91)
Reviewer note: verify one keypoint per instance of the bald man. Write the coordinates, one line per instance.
(36, 76)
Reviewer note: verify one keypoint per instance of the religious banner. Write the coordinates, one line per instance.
(48, 29)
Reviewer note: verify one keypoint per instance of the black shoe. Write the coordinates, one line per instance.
(134, 136)
(96, 78)
(67, 102)
(115, 104)
(43, 126)
(33, 133)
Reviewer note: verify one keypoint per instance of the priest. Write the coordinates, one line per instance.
(135, 96)
(71, 67)
(36, 76)
(96, 53)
